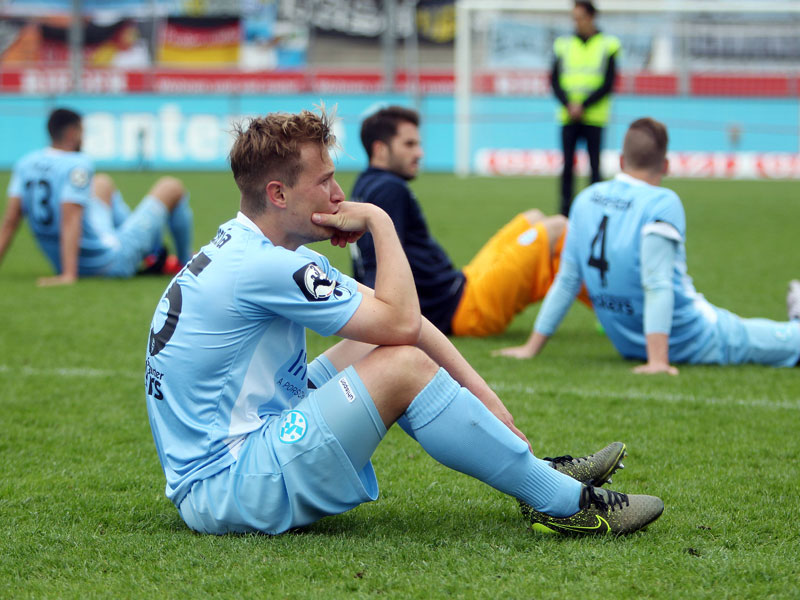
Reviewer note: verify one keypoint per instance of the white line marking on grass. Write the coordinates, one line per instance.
(501, 386)
(648, 396)
(66, 372)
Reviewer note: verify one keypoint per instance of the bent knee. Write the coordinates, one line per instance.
(103, 187)
(169, 190)
(407, 369)
(555, 227)
(411, 361)
(533, 216)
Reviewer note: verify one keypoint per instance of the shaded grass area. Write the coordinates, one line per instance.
(81, 497)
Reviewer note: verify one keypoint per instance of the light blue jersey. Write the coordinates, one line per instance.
(46, 179)
(607, 222)
(227, 348)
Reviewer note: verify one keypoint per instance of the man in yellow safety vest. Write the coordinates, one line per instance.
(582, 77)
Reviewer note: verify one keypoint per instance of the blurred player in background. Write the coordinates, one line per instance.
(80, 220)
(583, 73)
(626, 243)
(253, 438)
(514, 268)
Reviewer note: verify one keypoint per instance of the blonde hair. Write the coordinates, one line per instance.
(268, 148)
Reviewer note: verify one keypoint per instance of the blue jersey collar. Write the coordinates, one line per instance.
(245, 220)
(624, 177)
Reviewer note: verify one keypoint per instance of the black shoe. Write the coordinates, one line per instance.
(595, 469)
(601, 512)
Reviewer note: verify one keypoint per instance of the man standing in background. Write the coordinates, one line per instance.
(583, 73)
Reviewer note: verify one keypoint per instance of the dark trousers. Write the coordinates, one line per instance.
(570, 134)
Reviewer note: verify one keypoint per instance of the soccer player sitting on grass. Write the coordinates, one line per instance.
(626, 243)
(512, 270)
(253, 438)
(80, 220)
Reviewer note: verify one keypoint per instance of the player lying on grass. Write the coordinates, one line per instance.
(253, 438)
(626, 243)
(513, 269)
(80, 220)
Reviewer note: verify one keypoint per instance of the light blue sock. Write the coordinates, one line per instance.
(181, 225)
(457, 430)
(119, 210)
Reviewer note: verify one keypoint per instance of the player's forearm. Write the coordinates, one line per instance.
(6, 236)
(536, 342)
(437, 345)
(69, 257)
(559, 299)
(394, 282)
(11, 221)
(71, 231)
(657, 348)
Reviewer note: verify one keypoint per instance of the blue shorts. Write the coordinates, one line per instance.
(298, 468)
(132, 241)
(761, 341)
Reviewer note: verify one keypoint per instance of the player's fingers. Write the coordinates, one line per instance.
(518, 353)
(341, 221)
(355, 236)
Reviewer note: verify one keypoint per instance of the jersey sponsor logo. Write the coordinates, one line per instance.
(315, 286)
(347, 389)
(79, 177)
(614, 304)
(153, 378)
(293, 427)
(222, 238)
(526, 238)
(611, 201)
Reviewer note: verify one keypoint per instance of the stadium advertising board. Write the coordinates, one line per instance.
(709, 137)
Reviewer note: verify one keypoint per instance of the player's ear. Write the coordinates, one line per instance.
(621, 162)
(275, 194)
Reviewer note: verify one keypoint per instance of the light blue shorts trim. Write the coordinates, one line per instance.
(761, 341)
(294, 470)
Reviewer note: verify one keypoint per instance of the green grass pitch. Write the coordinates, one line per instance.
(82, 508)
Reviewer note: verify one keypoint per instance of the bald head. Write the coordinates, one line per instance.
(645, 146)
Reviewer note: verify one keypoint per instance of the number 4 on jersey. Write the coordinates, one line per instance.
(597, 252)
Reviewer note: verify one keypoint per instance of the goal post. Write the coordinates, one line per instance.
(663, 40)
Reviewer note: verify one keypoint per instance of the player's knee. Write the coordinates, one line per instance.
(555, 226)
(103, 187)
(168, 190)
(533, 215)
(409, 370)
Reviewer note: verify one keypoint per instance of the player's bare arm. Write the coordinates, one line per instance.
(392, 315)
(11, 220)
(657, 356)
(71, 229)
(529, 349)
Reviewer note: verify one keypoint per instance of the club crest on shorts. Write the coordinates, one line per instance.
(526, 238)
(314, 284)
(293, 427)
